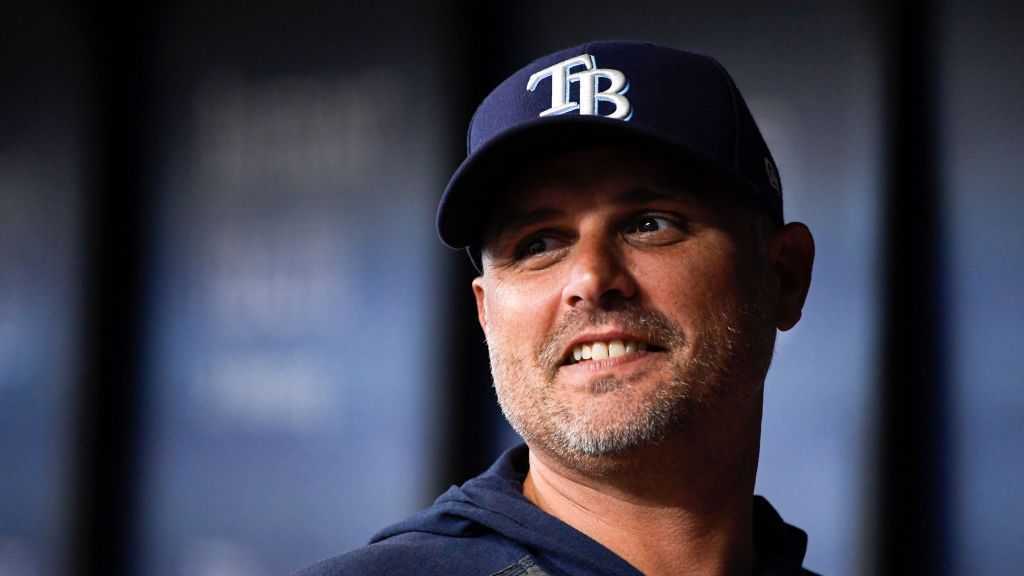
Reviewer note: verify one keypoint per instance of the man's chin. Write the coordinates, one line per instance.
(601, 451)
(609, 461)
(615, 418)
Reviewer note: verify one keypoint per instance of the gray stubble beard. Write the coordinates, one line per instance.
(737, 353)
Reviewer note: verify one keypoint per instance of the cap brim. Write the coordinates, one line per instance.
(462, 212)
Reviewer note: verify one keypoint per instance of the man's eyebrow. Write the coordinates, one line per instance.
(508, 223)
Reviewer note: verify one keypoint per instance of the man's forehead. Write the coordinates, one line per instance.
(541, 204)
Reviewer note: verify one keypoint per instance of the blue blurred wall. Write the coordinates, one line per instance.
(296, 384)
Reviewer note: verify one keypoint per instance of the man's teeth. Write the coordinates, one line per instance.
(603, 350)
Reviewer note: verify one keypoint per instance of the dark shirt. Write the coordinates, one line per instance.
(487, 527)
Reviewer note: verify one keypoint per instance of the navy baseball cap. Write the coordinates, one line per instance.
(610, 92)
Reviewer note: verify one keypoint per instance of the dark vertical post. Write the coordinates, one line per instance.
(482, 34)
(116, 242)
(914, 467)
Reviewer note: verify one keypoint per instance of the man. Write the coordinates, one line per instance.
(625, 215)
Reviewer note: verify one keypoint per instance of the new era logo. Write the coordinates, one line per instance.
(773, 175)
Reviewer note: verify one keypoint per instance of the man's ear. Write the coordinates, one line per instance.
(792, 254)
(481, 303)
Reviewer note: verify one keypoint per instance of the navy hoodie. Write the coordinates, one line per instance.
(488, 528)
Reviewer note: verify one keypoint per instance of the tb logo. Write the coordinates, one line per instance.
(562, 76)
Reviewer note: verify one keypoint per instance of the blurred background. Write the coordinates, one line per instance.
(230, 343)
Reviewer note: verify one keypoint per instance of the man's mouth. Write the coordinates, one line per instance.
(603, 350)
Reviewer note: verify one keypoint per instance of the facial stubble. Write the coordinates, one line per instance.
(724, 361)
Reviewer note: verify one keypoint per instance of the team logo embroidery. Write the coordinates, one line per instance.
(562, 76)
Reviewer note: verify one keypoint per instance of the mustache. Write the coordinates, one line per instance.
(650, 325)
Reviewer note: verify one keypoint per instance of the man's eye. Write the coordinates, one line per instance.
(656, 230)
(650, 224)
(536, 246)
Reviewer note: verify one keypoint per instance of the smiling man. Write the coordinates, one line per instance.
(625, 215)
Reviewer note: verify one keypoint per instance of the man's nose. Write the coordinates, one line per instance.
(598, 274)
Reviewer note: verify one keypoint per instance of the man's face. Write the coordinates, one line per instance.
(620, 302)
